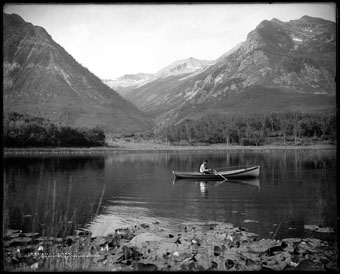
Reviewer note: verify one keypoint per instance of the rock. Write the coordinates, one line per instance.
(140, 239)
(114, 241)
(217, 250)
(176, 253)
(125, 233)
(307, 265)
(10, 232)
(270, 251)
(145, 226)
(99, 241)
(250, 256)
(45, 239)
(22, 240)
(262, 245)
(145, 267)
(293, 264)
(167, 255)
(167, 252)
(251, 266)
(118, 256)
(250, 221)
(34, 266)
(306, 248)
(212, 226)
(191, 266)
(291, 240)
(68, 241)
(311, 227)
(104, 248)
(130, 253)
(213, 266)
(320, 229)
(36, 234)
(8, 243)
(325, 230)
(195, 241)
(331, 266)
(29, 249)
(14, 235)
(229, 264)
(178, 242)
(82, 232)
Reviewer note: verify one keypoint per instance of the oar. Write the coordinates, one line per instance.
(225, 179)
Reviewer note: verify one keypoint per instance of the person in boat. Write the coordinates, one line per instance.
(204, 168)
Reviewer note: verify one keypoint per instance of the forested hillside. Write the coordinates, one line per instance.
(253, 129)
(28, 131)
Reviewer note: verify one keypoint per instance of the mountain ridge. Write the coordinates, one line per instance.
(42, 79)
(295, 57)
(124, 84)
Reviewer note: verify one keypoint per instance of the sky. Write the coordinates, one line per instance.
(116, 39)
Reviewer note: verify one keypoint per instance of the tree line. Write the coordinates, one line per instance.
(28, 131)
(253, 129)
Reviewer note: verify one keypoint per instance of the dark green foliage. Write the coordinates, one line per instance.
(254, 129)
(28, 131)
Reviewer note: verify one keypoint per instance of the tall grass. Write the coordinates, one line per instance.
(54, 215)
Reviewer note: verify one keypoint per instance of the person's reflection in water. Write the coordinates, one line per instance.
(204, 190)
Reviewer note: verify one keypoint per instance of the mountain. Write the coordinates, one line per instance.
(183, 66)
(154, 95)
(127, 82)
(134, 85)
(281, 66)
(40, 78)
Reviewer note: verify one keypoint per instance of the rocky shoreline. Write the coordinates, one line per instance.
(146, 247)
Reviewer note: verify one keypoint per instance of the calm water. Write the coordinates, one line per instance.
(106, 191)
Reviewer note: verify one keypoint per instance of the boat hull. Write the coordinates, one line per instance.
(249, 172)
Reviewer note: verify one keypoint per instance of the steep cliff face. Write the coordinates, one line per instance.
(279, 62)
(40, 78)
(276, 55)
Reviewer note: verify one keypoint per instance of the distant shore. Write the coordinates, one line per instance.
(145, 146)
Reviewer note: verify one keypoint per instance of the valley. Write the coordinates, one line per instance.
(281, 68)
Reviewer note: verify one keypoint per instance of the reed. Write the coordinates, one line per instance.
(55, 216)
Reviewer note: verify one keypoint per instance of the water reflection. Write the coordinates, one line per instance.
(51, 195)
(113, 190)
(203, 189)
(204, 184)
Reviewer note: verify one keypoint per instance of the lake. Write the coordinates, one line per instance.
(104, 191)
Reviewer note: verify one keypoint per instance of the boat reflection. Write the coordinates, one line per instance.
(204, 184)
(203, 189)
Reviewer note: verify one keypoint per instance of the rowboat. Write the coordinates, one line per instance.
(248, 172)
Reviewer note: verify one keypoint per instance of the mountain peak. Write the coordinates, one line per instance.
(13, 19)
(41, 79)
(275, 20)
(278, 63)
(309, 18)
(183, 66)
